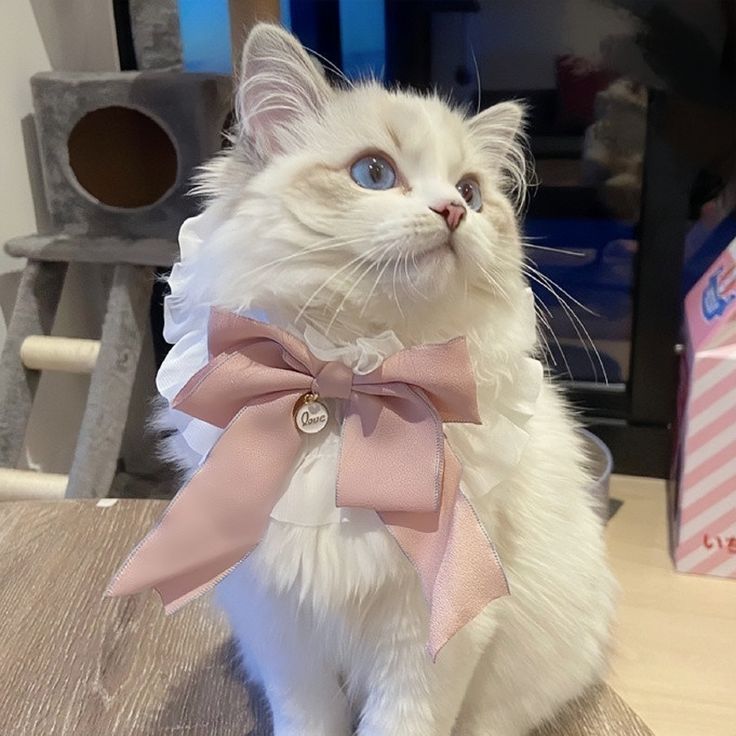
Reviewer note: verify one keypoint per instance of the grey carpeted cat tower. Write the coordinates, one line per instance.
(117, 152)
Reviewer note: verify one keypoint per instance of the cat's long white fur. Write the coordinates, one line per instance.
(330, 619)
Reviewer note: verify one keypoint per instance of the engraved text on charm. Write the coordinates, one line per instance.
(310, 414)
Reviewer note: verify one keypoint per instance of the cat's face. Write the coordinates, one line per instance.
(368, 205)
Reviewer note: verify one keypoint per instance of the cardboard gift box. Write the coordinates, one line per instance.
(704, 523)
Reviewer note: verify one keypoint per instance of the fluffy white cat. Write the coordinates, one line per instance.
(348, 214)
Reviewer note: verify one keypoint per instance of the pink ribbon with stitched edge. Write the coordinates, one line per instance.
(394, 459)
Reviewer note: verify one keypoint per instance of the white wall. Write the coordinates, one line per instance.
(22, 53)
(79, 35)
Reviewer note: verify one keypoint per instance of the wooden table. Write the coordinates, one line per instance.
(73, 663)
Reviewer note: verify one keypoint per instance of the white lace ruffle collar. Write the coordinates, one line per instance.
(489, 452)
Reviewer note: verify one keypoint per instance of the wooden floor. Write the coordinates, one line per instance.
(675, 659)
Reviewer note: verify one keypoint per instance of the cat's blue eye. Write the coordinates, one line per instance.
(470, 192)
(373, 172)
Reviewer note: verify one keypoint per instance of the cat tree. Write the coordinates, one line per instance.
(117, 153)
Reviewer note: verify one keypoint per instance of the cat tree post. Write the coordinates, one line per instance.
(101, 433)
(156, 33)
(34, 312)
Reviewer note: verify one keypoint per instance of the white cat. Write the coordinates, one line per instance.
(364, 219)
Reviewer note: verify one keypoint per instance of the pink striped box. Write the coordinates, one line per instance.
(705, 513)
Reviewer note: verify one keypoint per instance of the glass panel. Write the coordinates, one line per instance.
(587, 127)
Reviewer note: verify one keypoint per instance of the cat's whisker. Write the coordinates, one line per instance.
(332, 243)
(561, 251)
(543, 337)
(539, 303)
(376, 282)
(416, 269)
(544, 313)
(477, 79)
(409, 279)
(292, 256)
(575, 321)
(396, 296)
(493, 283)
(369, 268)
(358, 259)
(566, 311)
(531, 264)
(364, 259)
(549, 353)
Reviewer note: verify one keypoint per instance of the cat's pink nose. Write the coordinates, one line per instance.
(452, 212)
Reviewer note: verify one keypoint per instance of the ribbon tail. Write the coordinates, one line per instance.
(456, 561)
(222, 513)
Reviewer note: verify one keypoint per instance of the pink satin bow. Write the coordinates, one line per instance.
(394, 459)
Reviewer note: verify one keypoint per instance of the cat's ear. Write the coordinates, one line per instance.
(500, 131)
(279, 86)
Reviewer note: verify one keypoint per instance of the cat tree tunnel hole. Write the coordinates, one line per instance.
(122, 157)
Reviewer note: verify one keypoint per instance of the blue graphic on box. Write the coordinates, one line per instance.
(718, 294)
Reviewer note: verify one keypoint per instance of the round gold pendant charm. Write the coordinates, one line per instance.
(310, 414)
